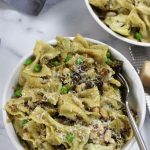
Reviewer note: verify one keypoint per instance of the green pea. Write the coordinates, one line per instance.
(138, 36)
(64, 90)
(55, 63)
(69, 57)
(69, 137)
(108, 54)
(37, 68)
(107, 61)
(18, 92)
(79, 61)
(25, 121)
(28, 62)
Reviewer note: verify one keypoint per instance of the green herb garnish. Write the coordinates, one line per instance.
(18, 92)
(25, 121)
(64, 90)
(69, 57)
(28, 62)
(138, 36)
(108, 54)
(69, 137)
(37, 68)
(107, 61)
(79, 61)
(55, 63)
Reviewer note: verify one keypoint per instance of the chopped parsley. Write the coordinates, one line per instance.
(69, 137)
(25, 121)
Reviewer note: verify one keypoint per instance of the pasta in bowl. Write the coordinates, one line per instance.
(65, 96)
(127, 20)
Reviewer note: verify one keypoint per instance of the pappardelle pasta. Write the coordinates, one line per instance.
(67, 98)
(129, 18)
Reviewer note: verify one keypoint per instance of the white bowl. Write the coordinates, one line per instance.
(138, 98)
(105, 27)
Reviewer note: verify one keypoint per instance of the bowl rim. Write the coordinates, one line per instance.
(100, 23)
(53, 42)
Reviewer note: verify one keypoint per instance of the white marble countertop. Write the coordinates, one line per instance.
(18, 33)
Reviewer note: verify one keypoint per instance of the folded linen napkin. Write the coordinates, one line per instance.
(32, 7)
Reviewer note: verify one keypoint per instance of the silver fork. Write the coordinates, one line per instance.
(139, 55)
(134, 126)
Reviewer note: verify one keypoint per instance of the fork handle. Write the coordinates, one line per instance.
(136, 131)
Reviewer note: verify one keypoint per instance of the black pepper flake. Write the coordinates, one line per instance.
(60, 147)
(90, 141)
(76, 77)
(83, 68)
(89, 85)
(98, 82)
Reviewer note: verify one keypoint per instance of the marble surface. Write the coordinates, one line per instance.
(18, 33)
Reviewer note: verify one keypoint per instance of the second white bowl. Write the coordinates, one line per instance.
(105, 27)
